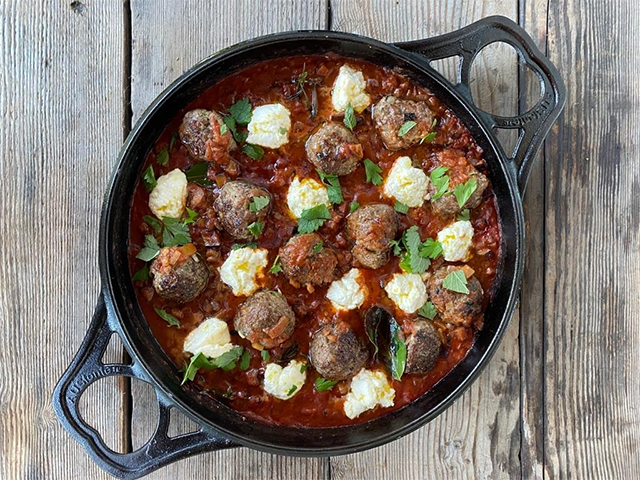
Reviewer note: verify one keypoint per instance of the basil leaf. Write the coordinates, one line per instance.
(292, 390)
(149, 178)
(256, 228)
(265, 355)
(332, 182)
(431, 249)
(313, 218)
(167, 317)
(413, 262)
(175, 232)
(464, 215)
(141, 275)
(276, 268)
(323, 385)
(372, 172)
(198, 174)
(464, 190)
(428, 311)
(349, 117)
(163, 157)
(353, 207)
(151, 249)
(456, 281)
(440, 181)
(401, 207)
(317, 248)
(197, 362)
(153, 223)
(398, 351)
(174, 136)
(241, 111)
(406, 127)
(238, 246)
(258, 203)
(252, 151)
(245, 360)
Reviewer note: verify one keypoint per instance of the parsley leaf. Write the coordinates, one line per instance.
(245, 360)
(174, 137)
(241, 111)
(464, 190)
(323, 385)
(193, 216)
(396, 245)
(431, 136)
(332, 182)
(198, 174)
(258, 203)
(167, 317)
(292, 390)
(149, 178)
(398, 351)
(252, 151)
(313, 218)
(440, 181)
(428, 311)
(230, 123)
(372, 172)
(163, 157)
(226, 361)
(238, 246)
(141, 275)
(354, 206)
(406, 126)
(175, 232)
(303, 367)
(317, 248)
(151, 249)
(256, 228)
(349, 117)
(276, 268)
(153, 223)
(265, 355)
(413, 262)
(456, 282)
(223, 128)
(401, 207)
(431, 248)
(464, 215)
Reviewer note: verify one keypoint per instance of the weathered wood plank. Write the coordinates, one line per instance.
(61, 98)
(479, 436)
(167, 39)
(592, 307)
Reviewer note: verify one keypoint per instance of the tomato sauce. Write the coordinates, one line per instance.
(271, 82)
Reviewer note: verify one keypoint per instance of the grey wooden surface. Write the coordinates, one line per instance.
(561, 397)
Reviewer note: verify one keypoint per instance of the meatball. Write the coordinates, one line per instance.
(334, 149)
(305, 261)
(372, 228)
(423, 347)
(459, 171)
(179, 273)
(265, 318)
(233, 208)
(200, 134)
(391, 113)
(337, 353)
(453, 307)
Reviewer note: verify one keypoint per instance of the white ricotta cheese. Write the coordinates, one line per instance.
(269, 126)
(406, 183)
(347, 293)
(284, 383)
(456, 241)
(306, 194)
(349, 88)
(241, 269)
(408, 292)
(211, 338)
(369, 388)
(169, 197)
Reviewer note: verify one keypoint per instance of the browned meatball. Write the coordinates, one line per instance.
(453, 307)
(306, 261)
(265, 318)
(337, 353)
(200, 134)
(233, 208)
(423, 347)
(459, 171)
(372, 228)
(391, 113)
(179, 273)
(334, 149)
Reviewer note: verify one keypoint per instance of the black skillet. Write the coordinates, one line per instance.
(221, 427)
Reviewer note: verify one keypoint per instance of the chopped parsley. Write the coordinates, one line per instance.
(153, 223)
(431, 248)
(431, 136)
(372, 172)
(256, 228)
(163, 157)
(192, 217)
(226, 361)
(323, 385)
(428, 311)
(312, 219)
(303, 367)
(252, 151)
(276, 268)
(292, 390)
(198, 174)
(141, 275)
(440, 181)
(223, 129)
(151, 249)
(464, 190)
(349, 117)
(456, 281)
(231, 124)
(265, 355)
(317, 248)
(258, 203)
(241, 111)
(406, 127)
(175, 232)
(353, 206)
(174, 137)
(167, 317)
(413, 262)
(464, 215)
(332, 182)
(401, 207)
(149, 178)
(245, 360)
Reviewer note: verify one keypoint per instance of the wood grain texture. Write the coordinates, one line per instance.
(60, 130)
(592, 306)
(162, 48)
(479, 436)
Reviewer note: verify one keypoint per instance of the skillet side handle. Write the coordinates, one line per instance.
(466, 43)
(86, 368)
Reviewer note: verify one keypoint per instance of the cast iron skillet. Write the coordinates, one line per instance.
(221, 427)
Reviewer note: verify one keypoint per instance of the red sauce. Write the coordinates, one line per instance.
(271, 82)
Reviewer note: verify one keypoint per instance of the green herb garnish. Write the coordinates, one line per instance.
(353, 206)
(149, 178)
(276, 268)
(151, 249)
(413, 262)
(174, 137)
(292, 390)
(192, 217)
(431, 136)
(198, 174)
(464, 190)
(265, 355)
(349, 117)
(431, 248)
(406, 126)
(317, 248)
(401, 207)
(252, 151)
(245, 360)
(464, 215)
(163, 157)
(226, 361)
(427, 311)
(398, 351)
(256, 228)
(312, 219)
(332, 182)
(238, 246)
(258, 203)
(153, 223)
(323, 385)
(372, 172)
(141, 275)
(456, 281)
(241, 111)
(175, 232)
(440, 181)
(167, 317)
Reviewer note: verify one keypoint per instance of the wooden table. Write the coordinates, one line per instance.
(561, 399)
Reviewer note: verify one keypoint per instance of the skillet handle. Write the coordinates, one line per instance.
(86, 368)
(467, 43)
